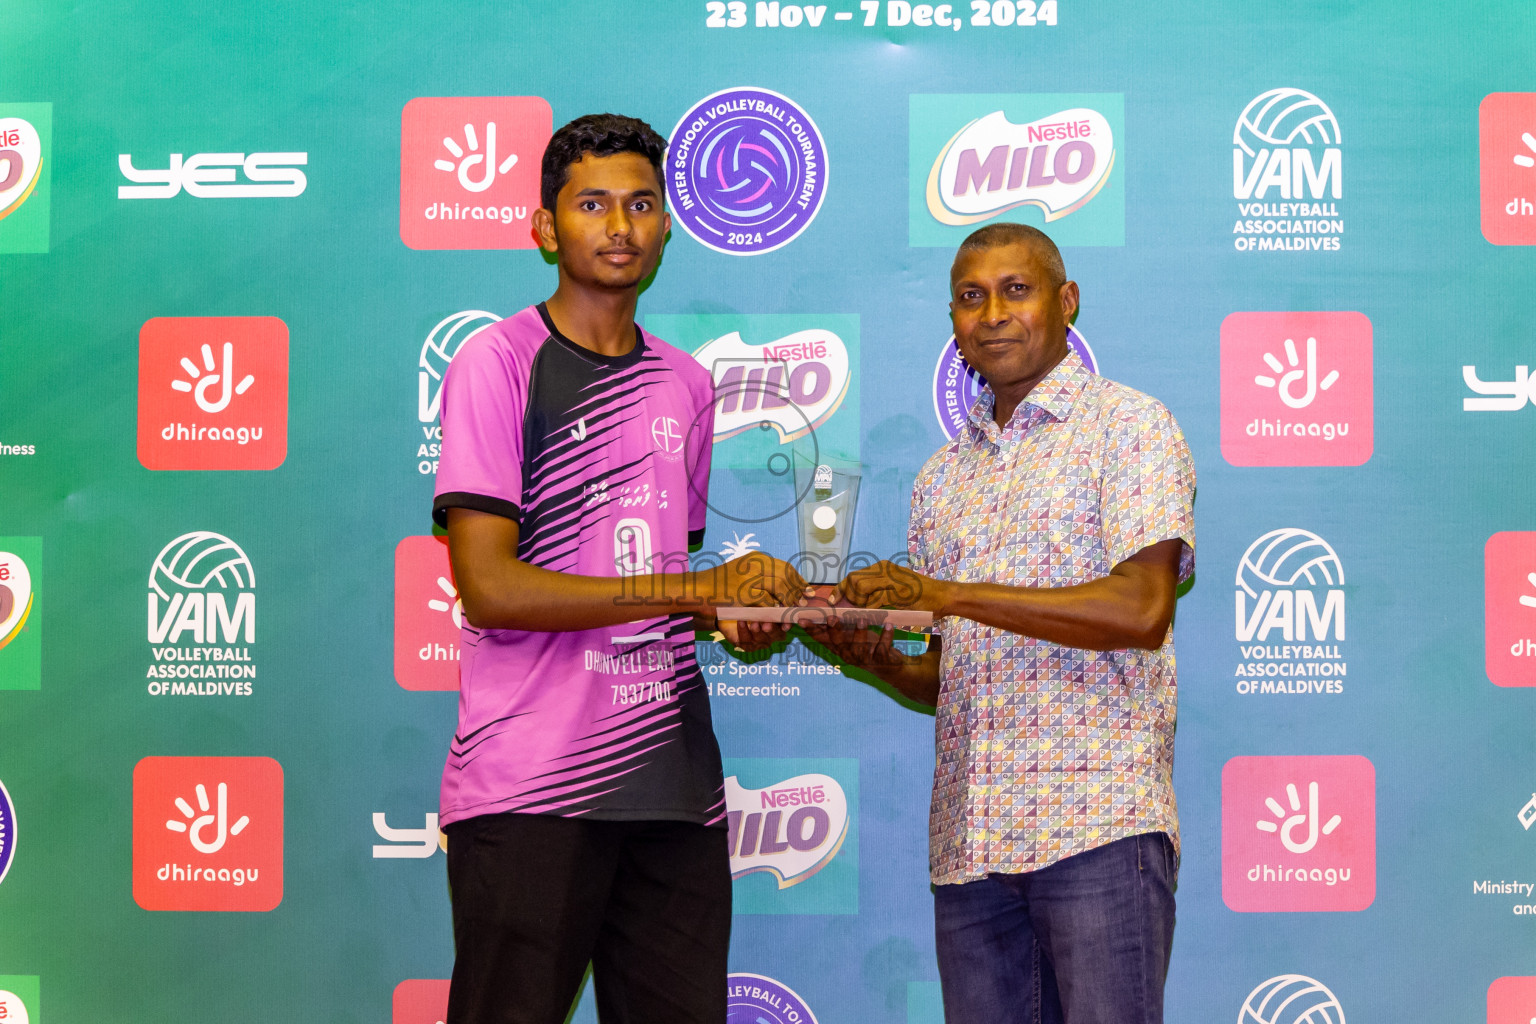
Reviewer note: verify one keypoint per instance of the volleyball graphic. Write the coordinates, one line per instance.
(1285, 117)
(437, 352)
(195, 560)
(1289, 558)
(1291, 999)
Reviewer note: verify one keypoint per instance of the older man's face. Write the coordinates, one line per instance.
(1010, 318)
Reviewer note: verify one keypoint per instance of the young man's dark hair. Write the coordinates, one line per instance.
(600, 135)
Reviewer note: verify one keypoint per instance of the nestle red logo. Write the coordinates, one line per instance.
(469, 170)
(1060, 130)
(213, 392)
(794, 797)
(795, 353)
(208, 833)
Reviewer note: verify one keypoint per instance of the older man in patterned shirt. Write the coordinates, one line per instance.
(1050, 537)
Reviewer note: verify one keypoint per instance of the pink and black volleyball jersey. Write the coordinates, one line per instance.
(604, 463)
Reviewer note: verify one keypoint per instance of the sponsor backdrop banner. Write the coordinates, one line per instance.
(240, 245)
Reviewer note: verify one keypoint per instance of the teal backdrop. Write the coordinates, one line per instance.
(1349, 610)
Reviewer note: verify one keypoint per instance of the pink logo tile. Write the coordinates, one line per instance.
(420, 1001)
(469, 170)
(1512, 1001)
(1506, 124)
(1298, 833)
(1509, 608)
(427, 616)
(1296, 389)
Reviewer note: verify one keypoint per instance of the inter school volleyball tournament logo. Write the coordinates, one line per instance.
(20, 623)
(469, 170)
(1287, 174)
(1509, 608)
(428, 616)
(26, 168)
(443, 342)
(208, 833)
(1296, 389)
(1507, 151)
(202, 618)
(7, 831)
(1290, 615)
(213, 393)
(746, 171)
(1298, 833)
(956, 386)
(1291, 999)
(755, 999)
(1051, 160)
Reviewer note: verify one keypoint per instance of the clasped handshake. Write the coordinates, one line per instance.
(836, 616)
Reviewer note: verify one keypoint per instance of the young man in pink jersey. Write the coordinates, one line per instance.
(582, 796)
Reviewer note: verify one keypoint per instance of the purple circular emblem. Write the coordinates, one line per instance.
(746, 171)
(7, 831)
(956, 385)
(754, 999)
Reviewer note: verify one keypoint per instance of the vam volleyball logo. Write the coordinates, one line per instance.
(755, 999)
(7, 832)
(1049, 160)
(428, 616)
(213, 393)
(26, 169)
(18, 993)
(20, 622)
(746, 171)
(956, 386)
(1290, 616)
(1291, 999)
(469, 170)
(208, 833)
(443, 342)
(1298, 833)
(1287, 174)
(1296, 389)
(1509, 608)
(202, 618)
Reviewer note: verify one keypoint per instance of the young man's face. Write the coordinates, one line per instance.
(1010, 318)
(608, 226)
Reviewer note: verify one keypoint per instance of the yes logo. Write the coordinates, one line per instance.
(213, 393)
(26, 169)
(1509, 608)
(212, 176)
(797, 829)
(1036, 159)
(208, 833)
(469, 171)
(1510, 1001)
(420, 1001)
(1298, 833)
(1498, 395)
(428, 616)
(20, 622)
(1507, 150)
(1296, 389)
(409, 843)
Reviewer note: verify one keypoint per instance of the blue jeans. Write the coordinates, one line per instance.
(1083, 941)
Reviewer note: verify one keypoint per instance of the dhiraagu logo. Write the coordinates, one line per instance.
(1055, 161)
(793, 834)
(26, 170)
(21, 630)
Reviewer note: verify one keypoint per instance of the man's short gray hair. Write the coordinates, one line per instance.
(1007, 233)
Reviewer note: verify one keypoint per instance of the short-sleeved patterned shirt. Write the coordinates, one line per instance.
(1044, 751)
